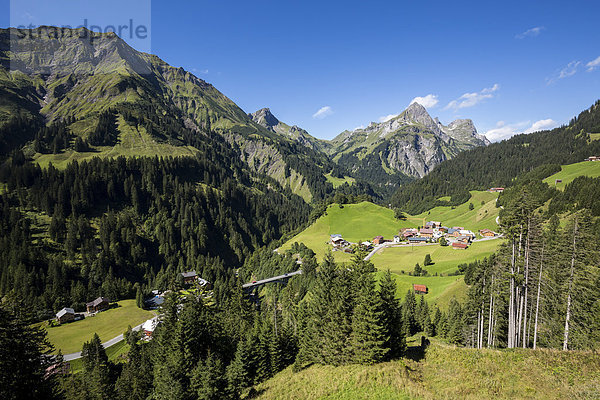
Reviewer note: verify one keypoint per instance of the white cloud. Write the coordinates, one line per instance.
(542, 125)
(199, 71)
(386, 118)
(323, 112)
(533, 32)
(504, 131)
(565, 72)
(472, 99)
(429, 101)
(592, 65)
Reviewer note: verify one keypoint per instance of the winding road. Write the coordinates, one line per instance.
(107, 344)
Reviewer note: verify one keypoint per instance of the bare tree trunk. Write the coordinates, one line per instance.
(537, 302)
(519, 319)
(568, 314)
(511, 302)
(490, 318)
(526, 272)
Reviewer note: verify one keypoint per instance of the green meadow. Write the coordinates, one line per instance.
(364, 221)
(132, 142)
(336, 182)
(569, 172)
(69, 338)
(445, 258)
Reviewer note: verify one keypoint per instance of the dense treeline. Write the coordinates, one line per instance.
(499, 163)
(115, 223)
(217, 350)
(367, 168)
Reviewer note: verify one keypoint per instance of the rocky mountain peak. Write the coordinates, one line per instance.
(265, 118)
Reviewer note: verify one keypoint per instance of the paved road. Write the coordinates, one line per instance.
(107, 344)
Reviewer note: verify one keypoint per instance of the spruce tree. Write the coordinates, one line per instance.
(24, 356)
(391, 316)
(368, 333)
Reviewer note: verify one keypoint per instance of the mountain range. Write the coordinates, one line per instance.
(81, 76)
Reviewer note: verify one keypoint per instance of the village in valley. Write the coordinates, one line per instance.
(432, 232)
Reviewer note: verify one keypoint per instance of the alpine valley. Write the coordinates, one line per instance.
(159, 242)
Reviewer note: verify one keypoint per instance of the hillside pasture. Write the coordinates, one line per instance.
(69, 338)
(569, 172)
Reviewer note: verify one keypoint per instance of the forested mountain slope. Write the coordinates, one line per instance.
(499, 163)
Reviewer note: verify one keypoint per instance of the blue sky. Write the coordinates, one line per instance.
(510, 66)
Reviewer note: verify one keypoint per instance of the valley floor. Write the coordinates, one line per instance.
(447, 372)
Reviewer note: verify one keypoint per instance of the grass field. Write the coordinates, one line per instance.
(355, 222)
(107, 324)
(364, 221)
(482, 216)
(114, 354)
(132, 142)
(569, 172)
(445, 259)
(441, 288)
(336, 182)
(447, 372)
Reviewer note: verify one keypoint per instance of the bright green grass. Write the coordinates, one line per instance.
(482, 216)
(594, 136)
(114, 353)
(441, 289)
(569, 172)
(446, 258)
(355, 222)
(132, 142)
(107, 324)
(336, 182)
(364, 221)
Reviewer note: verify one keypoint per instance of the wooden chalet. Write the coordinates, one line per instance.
(428, 233)
(189, 277)
(101, 303)
(420, 289)
(378, 240)
(149, 326)
(487, 233)
(65, 315)
(460, 245)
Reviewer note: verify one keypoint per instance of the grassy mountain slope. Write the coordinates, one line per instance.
(447, 372)
(363, 221)
(569, 172)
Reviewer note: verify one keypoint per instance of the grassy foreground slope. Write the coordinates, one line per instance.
(447, 372)
(569, 172)
(107, 324)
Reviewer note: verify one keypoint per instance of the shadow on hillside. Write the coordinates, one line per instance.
(417, 353)
(254, 393)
